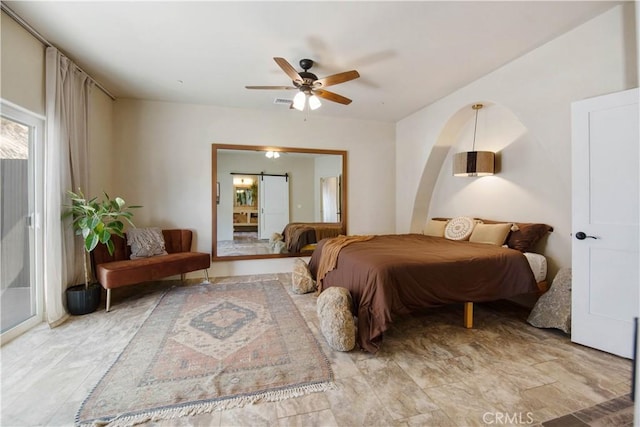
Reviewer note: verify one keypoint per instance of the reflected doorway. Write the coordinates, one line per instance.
(330, 199)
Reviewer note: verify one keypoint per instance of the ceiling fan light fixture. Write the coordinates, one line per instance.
(299, 101)
(310, 87)
(314, 102)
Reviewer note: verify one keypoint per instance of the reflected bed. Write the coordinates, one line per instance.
(301, 237)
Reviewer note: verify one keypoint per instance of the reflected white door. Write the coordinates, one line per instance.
(605, 221)
(273, 205)
(330, 199)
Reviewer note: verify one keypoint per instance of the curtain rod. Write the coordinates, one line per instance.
(24, 24)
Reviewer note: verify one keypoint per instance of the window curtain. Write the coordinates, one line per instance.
(66, 168)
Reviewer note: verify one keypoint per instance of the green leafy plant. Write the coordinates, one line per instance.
(96, 221)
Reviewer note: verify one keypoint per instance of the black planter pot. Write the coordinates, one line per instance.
(81, 300)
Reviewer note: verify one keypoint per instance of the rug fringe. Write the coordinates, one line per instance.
(197, 408)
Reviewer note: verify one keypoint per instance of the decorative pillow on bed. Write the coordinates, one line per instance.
(301, 280)
(527, 235)
(459, 228)
(524, 235)
(435, 228)
(494, 234)
(145, 242)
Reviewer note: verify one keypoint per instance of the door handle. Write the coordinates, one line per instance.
(581, 236)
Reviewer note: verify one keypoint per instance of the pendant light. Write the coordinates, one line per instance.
(474, 163)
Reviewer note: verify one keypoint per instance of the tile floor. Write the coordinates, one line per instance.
(430, 372)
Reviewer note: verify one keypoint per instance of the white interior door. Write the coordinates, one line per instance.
(605, 221)
(273, 205)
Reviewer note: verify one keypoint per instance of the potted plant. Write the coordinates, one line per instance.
(96, 221)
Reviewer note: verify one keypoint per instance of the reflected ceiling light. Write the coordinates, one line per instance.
(248, 182)
(272, 154)
(474, 163)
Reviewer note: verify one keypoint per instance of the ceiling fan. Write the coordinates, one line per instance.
(310, 87)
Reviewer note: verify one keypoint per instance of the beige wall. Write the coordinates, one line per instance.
(22, 68)
(101, 156)
(528, 120)
(164, 164)
(22, 82)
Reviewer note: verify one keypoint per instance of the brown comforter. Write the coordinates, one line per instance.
(400, 274)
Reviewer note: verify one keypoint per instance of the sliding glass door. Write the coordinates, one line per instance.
(20, 239)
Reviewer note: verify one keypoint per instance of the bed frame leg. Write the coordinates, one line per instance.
(108, 300)
(468, 315)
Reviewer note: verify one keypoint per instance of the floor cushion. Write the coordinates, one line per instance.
(334, 309)
(553, 308)
(301, 280)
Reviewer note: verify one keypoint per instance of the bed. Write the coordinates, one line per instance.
(301, 237)
(392, 275)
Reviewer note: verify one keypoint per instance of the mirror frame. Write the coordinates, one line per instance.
(214, 187)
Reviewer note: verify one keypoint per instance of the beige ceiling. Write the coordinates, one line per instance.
(409, 54)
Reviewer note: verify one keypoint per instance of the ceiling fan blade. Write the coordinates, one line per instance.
(272, 87)
(330, 96)
(336, 79)
(288, 69)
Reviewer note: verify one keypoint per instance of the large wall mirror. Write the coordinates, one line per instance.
(271, 202)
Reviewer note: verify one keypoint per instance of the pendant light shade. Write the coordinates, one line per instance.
(474, 163)
(314, 102)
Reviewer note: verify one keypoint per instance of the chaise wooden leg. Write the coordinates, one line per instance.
(182, 276)
(468, 315)
(108, 300)
(206, 276)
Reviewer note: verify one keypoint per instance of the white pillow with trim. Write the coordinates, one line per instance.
(459, 228)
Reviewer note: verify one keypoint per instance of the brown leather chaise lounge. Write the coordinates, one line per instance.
(117, 270)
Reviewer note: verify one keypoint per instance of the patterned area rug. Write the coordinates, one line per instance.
(211, 347)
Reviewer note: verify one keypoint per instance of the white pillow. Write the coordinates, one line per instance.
(459, 228)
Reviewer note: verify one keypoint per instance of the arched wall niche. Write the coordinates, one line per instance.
(525, 188)
(435, 161)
